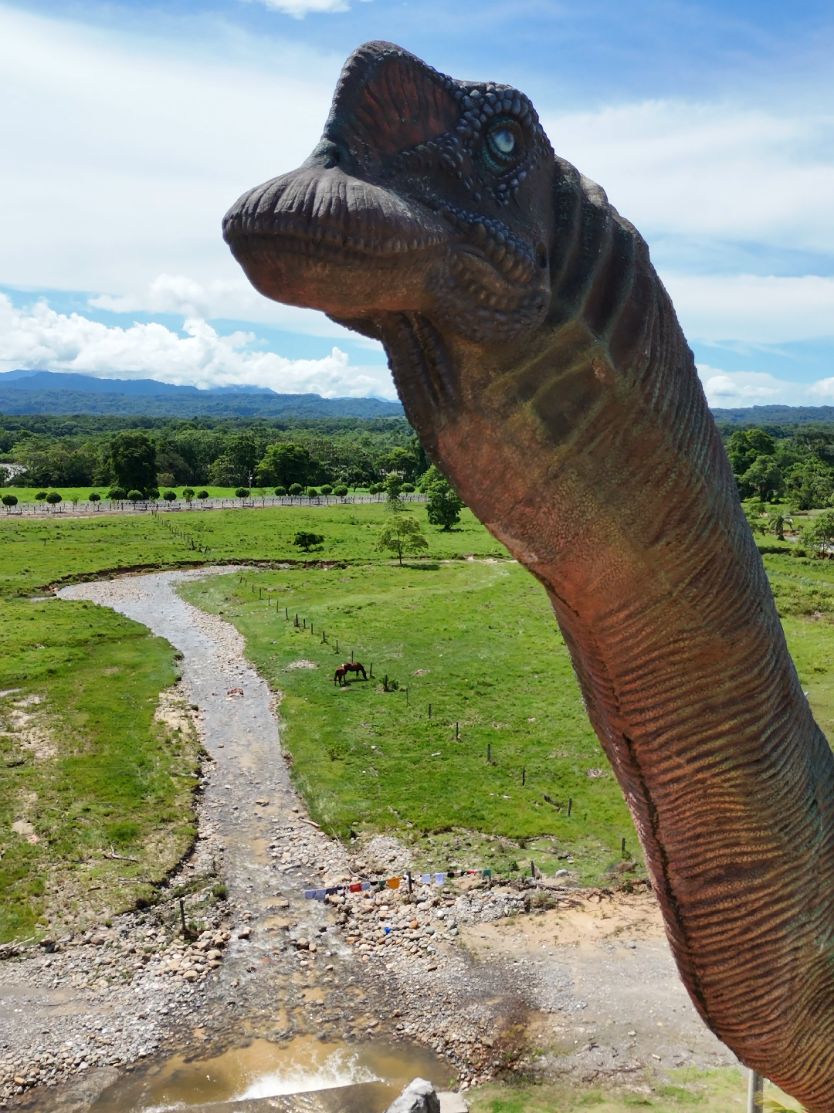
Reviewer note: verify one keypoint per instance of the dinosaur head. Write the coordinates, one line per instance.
(424, 200)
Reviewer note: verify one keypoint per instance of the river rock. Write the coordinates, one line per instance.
(419, 1096)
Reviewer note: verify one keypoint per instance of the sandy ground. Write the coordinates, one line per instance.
(586, 989)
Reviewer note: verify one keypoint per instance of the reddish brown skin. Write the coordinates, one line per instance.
(552, 384)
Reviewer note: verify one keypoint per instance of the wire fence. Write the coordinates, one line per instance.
(85, 508)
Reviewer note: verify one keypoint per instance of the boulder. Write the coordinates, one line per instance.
(419, 1096)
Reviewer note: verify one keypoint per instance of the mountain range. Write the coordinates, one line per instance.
(54, 392)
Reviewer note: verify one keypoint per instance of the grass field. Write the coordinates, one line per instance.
(477, 641)
(715, 1091)
(50, 550)
(84, 767)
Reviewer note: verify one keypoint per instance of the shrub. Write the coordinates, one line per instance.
(306, 541)
(94, 497)
(280, 492)
(152, 494)
(296, 489)
(117, 494)
(327, 489)
(312, 493)
(374, 488)
(408, 488)
(169, 496)
(135, 496)
(202, 495)
(53, 498)
(187, 494)
(40, 496)
(340, 491)
(9, 501)
(242, 493)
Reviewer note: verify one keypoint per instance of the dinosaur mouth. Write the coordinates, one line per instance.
(323, 239)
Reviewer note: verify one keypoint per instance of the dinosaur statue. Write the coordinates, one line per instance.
(540, 360)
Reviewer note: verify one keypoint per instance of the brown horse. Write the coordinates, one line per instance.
(355, 666)
(339, 675)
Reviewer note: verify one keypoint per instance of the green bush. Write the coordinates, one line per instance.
(312, 493)
(327, 489)
(117, 494)
(296, 489)
(40, 496)
(94, 496)
(242, 493)
(340, 491)
(187, 494)
(9, 501)
(135, 496)
(280, 492)
(202, 495)
(170, 496)
(53, 498)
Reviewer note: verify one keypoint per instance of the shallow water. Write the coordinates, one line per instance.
(267, 1070)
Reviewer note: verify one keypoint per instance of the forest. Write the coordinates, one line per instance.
(82, 450)
(790, 463)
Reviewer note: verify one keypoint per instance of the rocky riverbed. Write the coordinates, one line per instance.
(487, 978)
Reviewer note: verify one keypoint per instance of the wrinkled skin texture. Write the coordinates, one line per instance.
(540, 360)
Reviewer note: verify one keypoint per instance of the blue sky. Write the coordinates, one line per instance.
(128, 129)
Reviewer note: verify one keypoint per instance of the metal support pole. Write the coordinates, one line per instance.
(755, 1093)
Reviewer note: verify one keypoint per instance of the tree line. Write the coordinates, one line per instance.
(141, 454)
(793, 464)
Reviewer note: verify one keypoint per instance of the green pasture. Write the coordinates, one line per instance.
(84, 768)
(709, 1091)
(49, 550)
(478, 642)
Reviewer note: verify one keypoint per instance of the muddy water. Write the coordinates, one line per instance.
(271, 1017)
(263, 1070)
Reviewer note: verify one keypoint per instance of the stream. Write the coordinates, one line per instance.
(268, 1022)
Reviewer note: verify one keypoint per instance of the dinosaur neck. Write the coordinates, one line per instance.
(590, 453)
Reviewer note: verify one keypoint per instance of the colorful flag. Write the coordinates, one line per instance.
(394, 882)
(365, 886)
(310, 894)
(356, 887)
(440, 879)
(321, 894)
(426, 878)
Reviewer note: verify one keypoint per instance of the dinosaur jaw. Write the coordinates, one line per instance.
(321, 239)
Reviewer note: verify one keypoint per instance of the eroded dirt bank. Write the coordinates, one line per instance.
(586, 987)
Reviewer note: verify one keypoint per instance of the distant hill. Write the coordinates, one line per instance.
(51, 392)
(775, 415)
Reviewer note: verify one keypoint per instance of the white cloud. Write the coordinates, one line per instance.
(230, 298)
(753, 309)
(121, 155)
(710, 170)
(299, 8)
(730, 389)
(38, 337)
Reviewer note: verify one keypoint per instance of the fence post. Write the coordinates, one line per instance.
(755, 1093)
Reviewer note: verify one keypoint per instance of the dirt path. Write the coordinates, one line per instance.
(587, 988)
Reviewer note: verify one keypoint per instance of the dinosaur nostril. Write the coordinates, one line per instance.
(541, 256)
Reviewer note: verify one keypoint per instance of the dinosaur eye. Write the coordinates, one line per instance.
(503, 141)
(503, 145)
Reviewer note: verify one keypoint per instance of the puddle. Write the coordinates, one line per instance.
(267, 1070)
